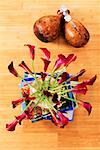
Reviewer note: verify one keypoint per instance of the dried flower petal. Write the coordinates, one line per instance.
(46, 53)
(12, 69)
(87, 106)
(32, 50)
(25, 67)
(46, 64)
(11, 126)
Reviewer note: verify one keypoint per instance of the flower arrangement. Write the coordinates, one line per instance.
(49, 95)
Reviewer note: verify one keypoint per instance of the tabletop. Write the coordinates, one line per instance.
(16, 29)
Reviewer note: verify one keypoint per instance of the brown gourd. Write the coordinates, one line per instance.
(75, 33)
(47, 28)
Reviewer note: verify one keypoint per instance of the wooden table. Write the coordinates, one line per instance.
(16, 22)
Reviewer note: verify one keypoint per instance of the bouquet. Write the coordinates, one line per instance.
(52, 95)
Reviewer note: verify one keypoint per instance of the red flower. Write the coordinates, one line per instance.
(32, 50)
(16, 102)
(64, 77)
(91, 81)
(46, 53)
(43, 75)
(46, 64)
(86, 105)
(11, 126)
(21, 117)
(75, 78)
(12, 69)
(80, 91)
(60, 61)
(25, 67)
(61, 121)
(69, 59)
(80, 88)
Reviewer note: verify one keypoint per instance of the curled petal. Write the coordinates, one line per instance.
(46, 53)
(69, 59)
(64, 77)
(11, 126)
(87, 106)
(12, 69)
(43, 75)
(91, 81)
(32, 50)
(17, 102)
(46, 64)
(25, 67)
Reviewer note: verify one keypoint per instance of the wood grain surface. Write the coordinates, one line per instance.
(16, 29)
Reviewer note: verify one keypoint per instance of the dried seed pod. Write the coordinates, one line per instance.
(47, 28)
(75, 33)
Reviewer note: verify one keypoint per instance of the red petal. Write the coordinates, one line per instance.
(60, 61)
(21, 117)
(12, 69)
(16, 102)
(46, 53)
(80, 91)
(46, 64)
(25, 67)
(64, 77)
(61, 56)
(75, 78)
(32, 50)
(63, 119)
(43, 75)
(91, 81)
(11, 126)
(81, 85)
(69, 59)
(87, 106)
